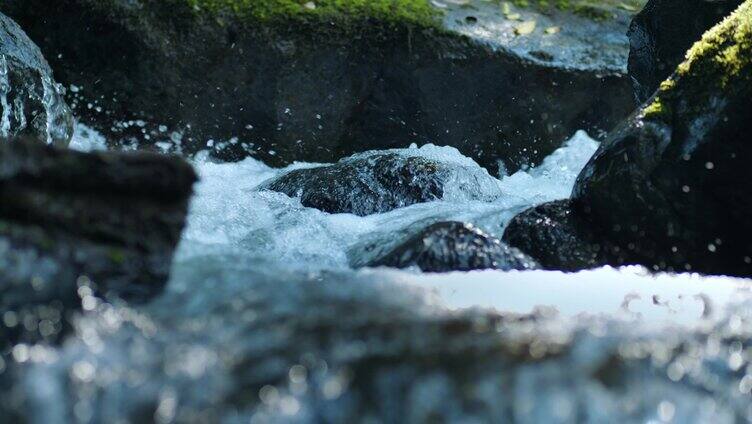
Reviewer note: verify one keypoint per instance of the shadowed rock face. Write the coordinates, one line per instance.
(671, 181)
(319, 90)
(31, 103)
(454, 246)
(558, 238)
(661, 33)
(377, 182)
(103, 223)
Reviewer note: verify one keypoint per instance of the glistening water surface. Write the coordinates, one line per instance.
(264, 320)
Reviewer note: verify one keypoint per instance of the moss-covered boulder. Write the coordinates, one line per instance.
(672, 182)
(662, 32)
(76, 225)
(31, 102)
(286, 80)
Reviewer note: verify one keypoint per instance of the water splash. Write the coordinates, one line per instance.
(4, 95)
(55, 110)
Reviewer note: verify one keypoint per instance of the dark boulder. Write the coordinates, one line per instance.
(661, 34)
(454, 246)
(558, 238)
(672, 181)
(31, 102)
(377, 182)
(74, 225)
(320, 83)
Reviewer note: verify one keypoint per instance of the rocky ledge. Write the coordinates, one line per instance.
(76, 224)
(317, 81)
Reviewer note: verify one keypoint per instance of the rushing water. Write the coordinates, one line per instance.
(264, 320)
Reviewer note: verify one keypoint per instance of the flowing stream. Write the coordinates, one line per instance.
(263, 308)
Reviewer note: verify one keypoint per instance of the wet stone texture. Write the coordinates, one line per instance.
(670, 182)
(558, 238)
(381, 181)
(317, 90)
(75, 224)
(453, 246)
(31, 102)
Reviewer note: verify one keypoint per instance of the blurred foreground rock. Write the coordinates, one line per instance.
(74, 225)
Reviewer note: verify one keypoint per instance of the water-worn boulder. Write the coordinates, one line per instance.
(672, 181)
(661, 33)
(318, 81)
(380, 181)
(73, 225)
(454, 246)
(31, 102)
(558, 238)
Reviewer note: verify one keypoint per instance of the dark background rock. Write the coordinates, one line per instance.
(661, 34)
(454, 246)
(107, 222)
(317, 91)
(31, 103)
(377, 182)
(558, 238)
(672, 181)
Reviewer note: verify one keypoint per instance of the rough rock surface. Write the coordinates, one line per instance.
(75, 224)
(31, 103)
(319, 85)
(661, 34)
(672, 179)
(558, 238)
(454, 246)
(380, 181)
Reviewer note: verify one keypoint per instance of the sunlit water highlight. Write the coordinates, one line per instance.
(264, 320)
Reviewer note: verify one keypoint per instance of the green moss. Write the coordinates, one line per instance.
(416, 12)
(116, 255)
(720, 62)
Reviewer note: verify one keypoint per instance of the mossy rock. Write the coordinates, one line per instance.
(317, 81)
(670, 183)
(658, 44)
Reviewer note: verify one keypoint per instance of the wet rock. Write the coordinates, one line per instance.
(661, 34)
(454, 246)
(31, 102)
(320, 83)
(671, 180)
(558, 238)
(377, 182)
(75, 225)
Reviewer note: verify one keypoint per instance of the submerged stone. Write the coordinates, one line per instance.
(31, 102)
(76, 225)
(288, 81)
(671, 181)
(662, 32)
(454, 246)
(381, 181)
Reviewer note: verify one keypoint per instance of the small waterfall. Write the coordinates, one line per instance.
(48, 100)
(4, 92)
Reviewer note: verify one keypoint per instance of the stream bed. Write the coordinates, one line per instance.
(265, 320)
